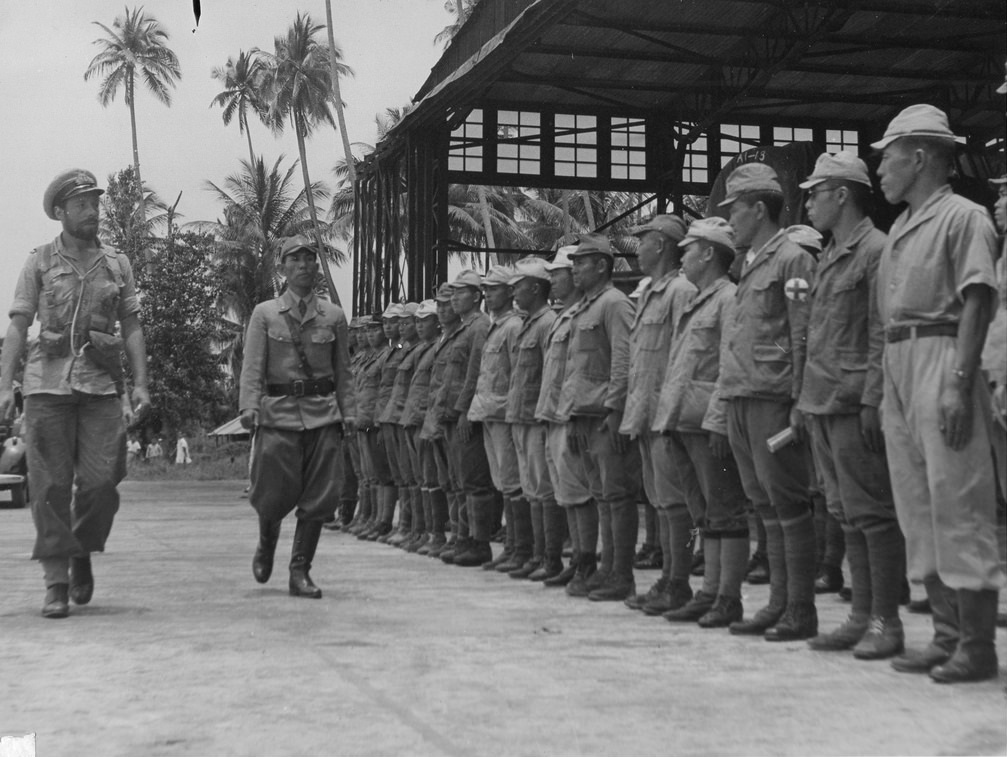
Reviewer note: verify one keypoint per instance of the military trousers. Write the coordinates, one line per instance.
(76, 450)
(297, 470)
(566, 468)
(720, 507)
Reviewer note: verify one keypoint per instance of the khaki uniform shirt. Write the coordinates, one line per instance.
(597, 361)
(397, 382)
(54, 285)
(688, 400)
(462, 370)
(271, 358)
(490, 400)
(370, 381)
(658, 311)
(527, 358)
(418, 392)
(931, 257)
(433, 421)
(846, 340)
(554, 367)
(763, 344)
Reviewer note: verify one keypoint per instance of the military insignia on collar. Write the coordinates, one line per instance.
(796, 289)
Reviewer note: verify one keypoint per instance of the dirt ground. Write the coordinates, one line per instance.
(182, 653)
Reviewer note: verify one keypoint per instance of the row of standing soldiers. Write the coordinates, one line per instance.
(737, 386)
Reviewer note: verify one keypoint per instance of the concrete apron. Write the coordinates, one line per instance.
(181, 652)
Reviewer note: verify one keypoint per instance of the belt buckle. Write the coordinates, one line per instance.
(298, 387)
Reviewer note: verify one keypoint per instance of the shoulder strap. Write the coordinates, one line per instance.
(295, 337)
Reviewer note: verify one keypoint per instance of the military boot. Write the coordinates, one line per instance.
(944, 608)
(81, 580)
(56, 601)
(262, 562)
(975, 658)
(303, 552)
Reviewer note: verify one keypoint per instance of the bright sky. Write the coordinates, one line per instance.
(52, 119)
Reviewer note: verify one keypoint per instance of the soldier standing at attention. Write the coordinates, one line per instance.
(296, 388)
(372, 450)
(659, 308)
(76, 409)
(693, 419)
(840, 396)
(936, 295)
(592, 401)
(762, 355)
(531, 295)
(566, 472)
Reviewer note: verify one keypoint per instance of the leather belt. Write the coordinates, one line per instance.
(901, 333)
(302, 388)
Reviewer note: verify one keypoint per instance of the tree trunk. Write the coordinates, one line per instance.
(136, 152)
(337, 99)
(243, 121)
(484, 209)
(322, 258)
(588, 210)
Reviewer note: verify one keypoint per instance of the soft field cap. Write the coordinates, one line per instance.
(671, 226)
(593, 244)
(426, 309)
(844, 166)
(916, 121)
(295, 243)
(467, 278)
(498, 275)
(804, 236)
(530, 268)
(999, 180)
(562, 259)
(68, 184)
(751, 177)
(713, 229)
(443, 293)
(394, 310)
(409, 309)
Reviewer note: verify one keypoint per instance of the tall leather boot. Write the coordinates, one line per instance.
(776, 557)
(565, 576)
(587, 558)
(975, 658)
(620, 584)
(944, 611)
(482, 512)
(363, 509)
(374, 499)
(554, 528)
(417, 519)
(303, 552)
(386, 512)
(508, 550)
(800, 618)
(438, 522)
(422, 520)
(523, 537)
(605, 535)
(658, 599)
(459, 540)
(537, 541)
(262, 563)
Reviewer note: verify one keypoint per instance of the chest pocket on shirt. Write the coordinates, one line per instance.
(592, 348)
(529, 353)
(769, 297)
(704, 335)
(654, 332)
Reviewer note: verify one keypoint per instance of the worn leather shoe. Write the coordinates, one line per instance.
(613, 590)
(477, 553)
(637, 601)
(847, 636)
(920, 660)
(56, 604)
(692, 610)
(81, 580)
(675, 596)
(799, 621)
(563, 578)
(884, 638)
(527, 569)
(725, 610)
(757, 625)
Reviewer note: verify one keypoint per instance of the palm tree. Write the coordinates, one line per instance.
(242, 80)
(337, 97)
(461, 10)
(134, 47)
(299, 87)
(261, 208)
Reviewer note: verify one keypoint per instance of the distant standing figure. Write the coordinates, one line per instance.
(182, 452)
(154, 450)
(133, 450)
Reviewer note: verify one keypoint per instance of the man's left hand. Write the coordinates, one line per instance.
(956, 417)
(464, 427)
(610, 426)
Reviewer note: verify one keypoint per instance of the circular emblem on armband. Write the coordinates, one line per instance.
(796, 289)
